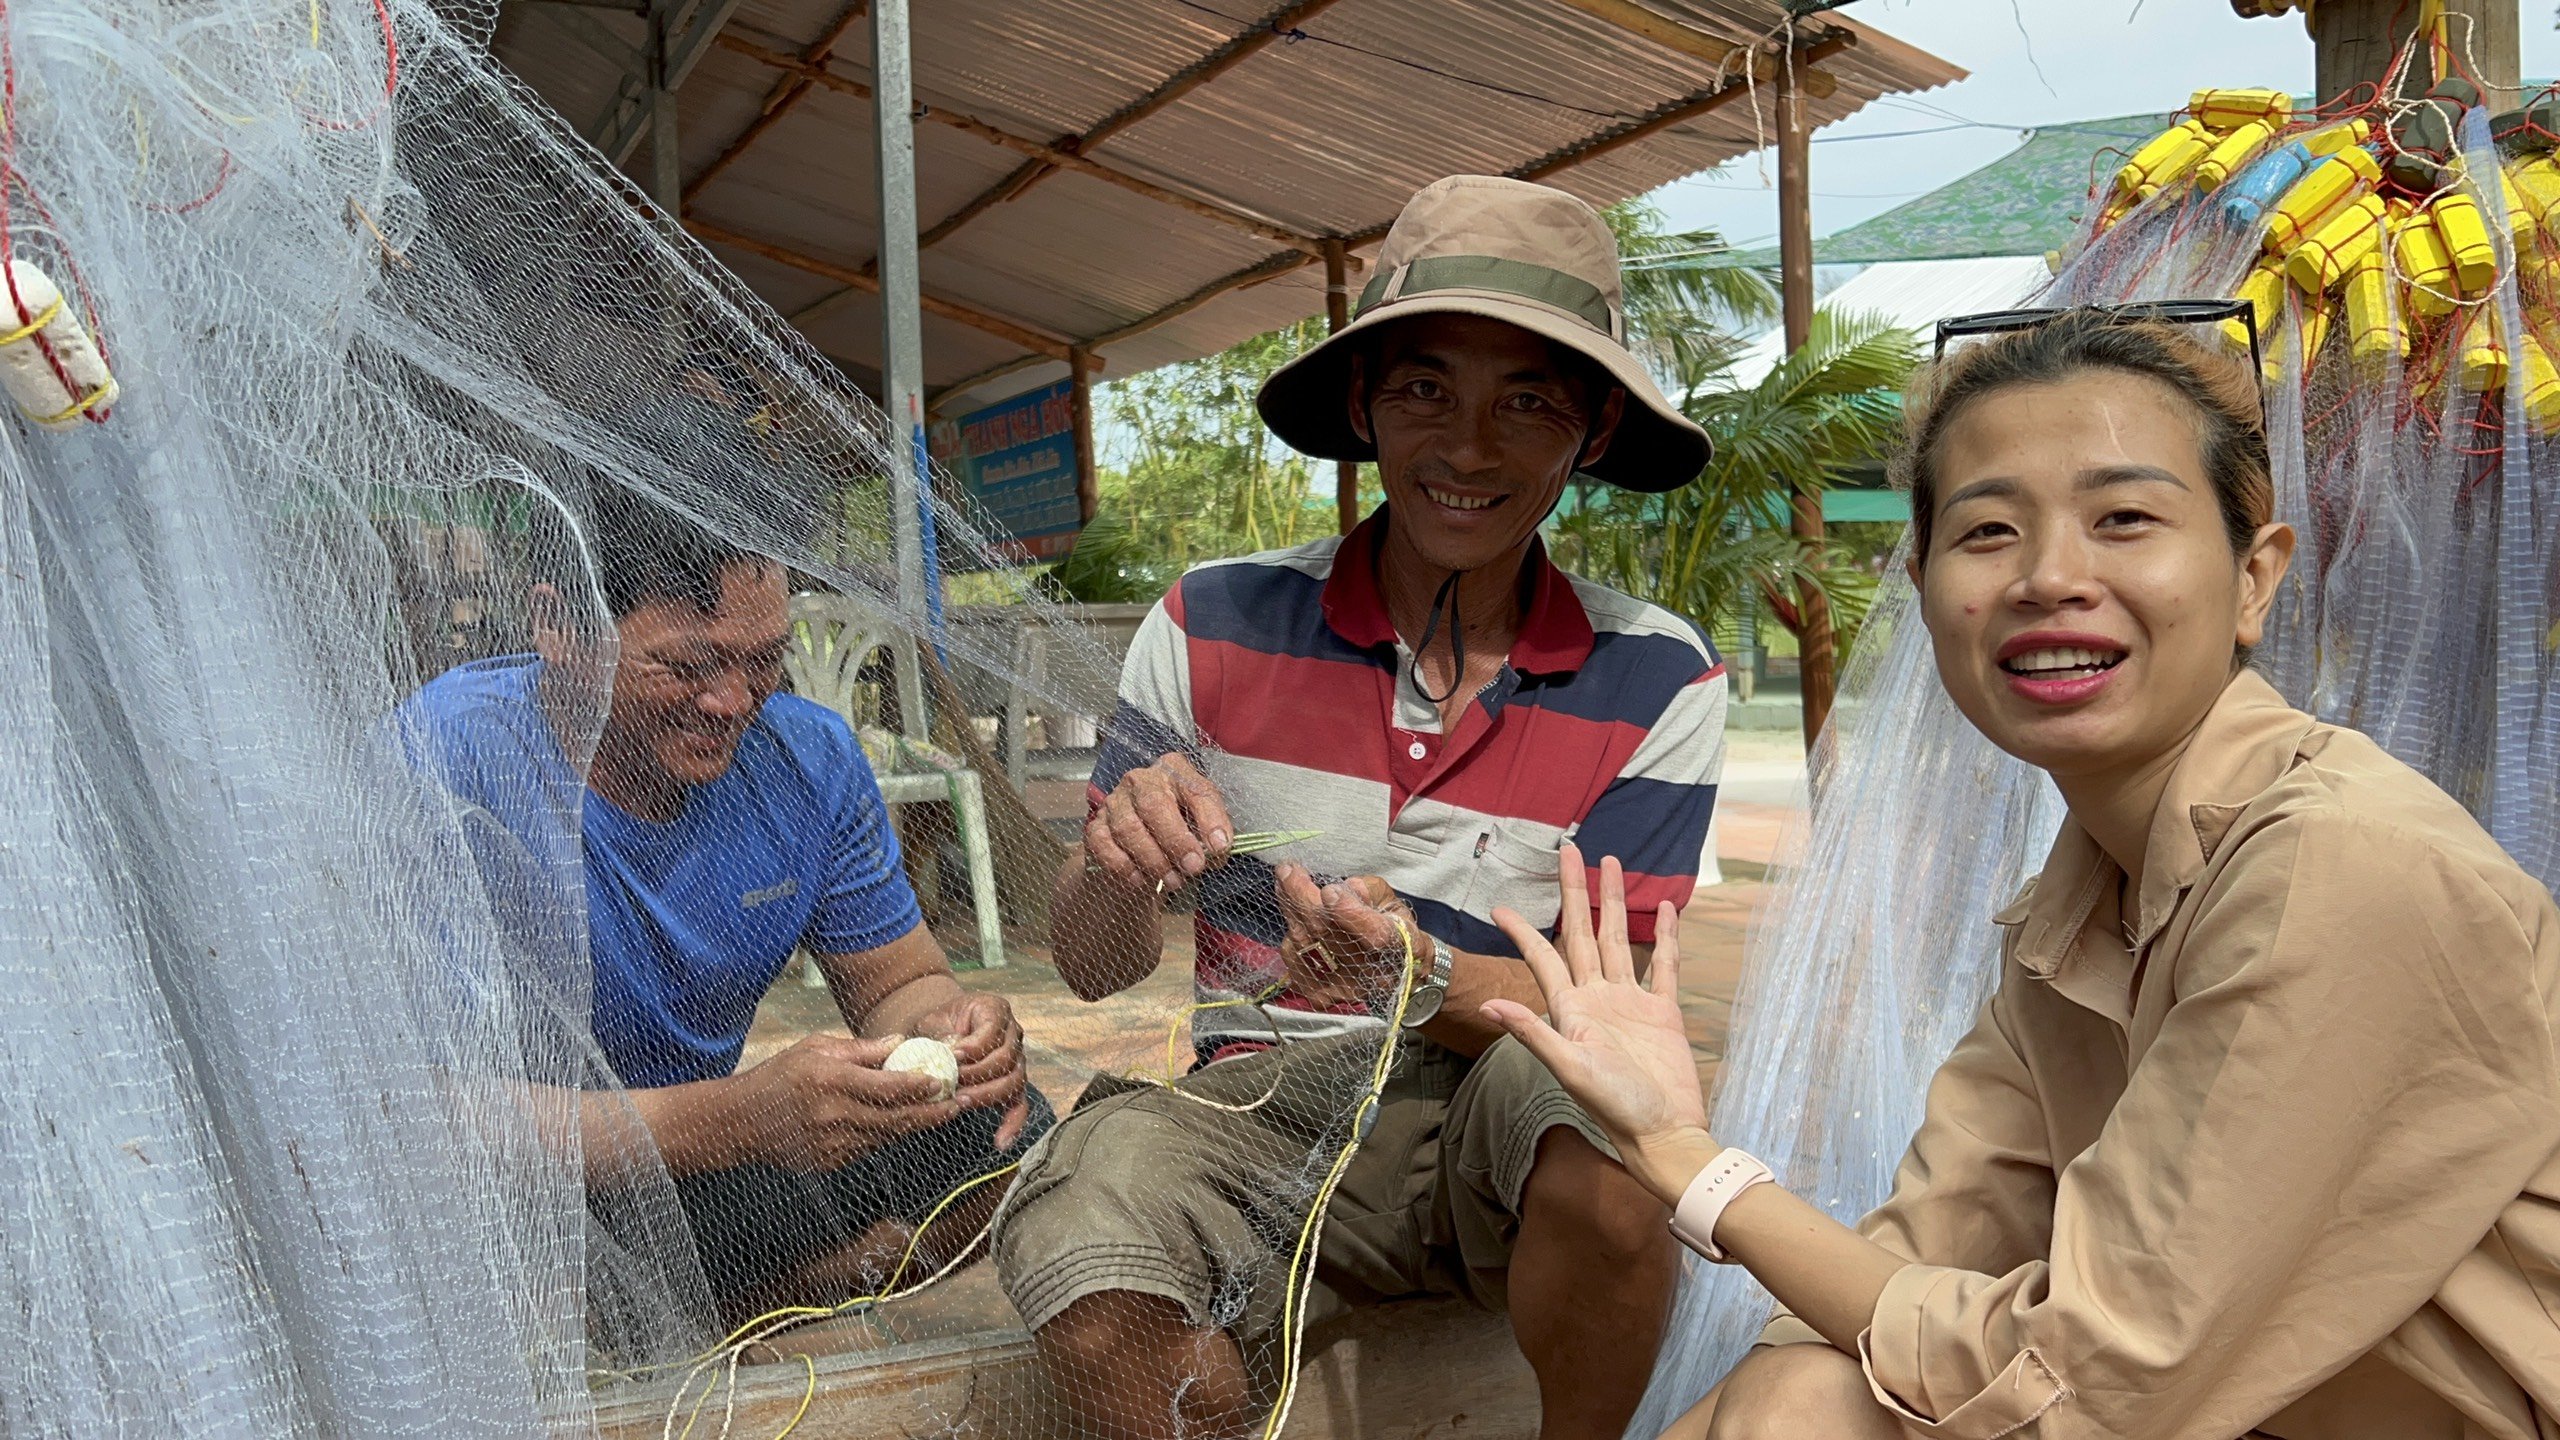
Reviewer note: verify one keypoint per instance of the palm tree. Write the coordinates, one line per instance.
(1687, 309)
(1701, 550)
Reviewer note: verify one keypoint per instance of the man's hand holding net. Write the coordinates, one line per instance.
(826, 1102)
(1348, 940)
(1162, 825)
(987, 1041)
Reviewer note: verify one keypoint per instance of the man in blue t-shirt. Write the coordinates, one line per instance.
(719, 826)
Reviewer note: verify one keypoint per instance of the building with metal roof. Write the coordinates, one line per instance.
(1125, 183)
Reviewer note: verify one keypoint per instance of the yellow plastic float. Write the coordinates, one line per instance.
(2374, 238)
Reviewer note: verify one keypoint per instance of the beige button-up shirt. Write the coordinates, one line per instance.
(2280, 1151)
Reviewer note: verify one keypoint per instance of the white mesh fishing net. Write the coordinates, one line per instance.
(440, 462)
(315, 632)
(2421, 608)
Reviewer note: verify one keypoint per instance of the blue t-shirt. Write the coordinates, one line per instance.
(689, 921)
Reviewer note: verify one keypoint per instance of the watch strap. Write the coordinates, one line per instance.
(1693, 1221)
(1431, 992)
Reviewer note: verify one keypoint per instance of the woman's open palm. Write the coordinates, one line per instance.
(1615, 1041)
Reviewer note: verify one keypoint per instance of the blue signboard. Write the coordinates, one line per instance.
(1017, 461)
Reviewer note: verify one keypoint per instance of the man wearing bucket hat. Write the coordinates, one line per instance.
(1446, 710)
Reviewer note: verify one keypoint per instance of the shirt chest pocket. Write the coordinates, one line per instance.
(1514, 866)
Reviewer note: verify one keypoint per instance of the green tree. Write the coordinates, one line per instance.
(1200, 477)
(1686, 314)
(1700, 549)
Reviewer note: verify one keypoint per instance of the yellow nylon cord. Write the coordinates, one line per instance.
(1301, 1279)
(78, 407)
(30, 328)
(1302, 1270)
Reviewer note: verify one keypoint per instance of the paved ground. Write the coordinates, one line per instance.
(1071, 1039)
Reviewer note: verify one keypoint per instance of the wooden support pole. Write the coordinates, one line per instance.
(1795, 277)
(1088, 478)
(1337, 313)
(666, 162)
(2358, 40)
(910, 475)
(617, 132)
(1039, 342)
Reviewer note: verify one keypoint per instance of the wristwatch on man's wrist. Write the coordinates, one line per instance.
(1432, 990)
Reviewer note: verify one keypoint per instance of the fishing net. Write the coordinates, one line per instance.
(460, 694)
(2412, 410)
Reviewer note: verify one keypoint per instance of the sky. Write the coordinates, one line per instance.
(2034, 62)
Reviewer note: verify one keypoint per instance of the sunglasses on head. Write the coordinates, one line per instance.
(2166, 312)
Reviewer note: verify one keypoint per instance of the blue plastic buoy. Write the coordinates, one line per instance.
(2261, 183)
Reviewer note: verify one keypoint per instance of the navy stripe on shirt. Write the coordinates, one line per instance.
(1272, 609)
(1628, 677)
(1652, 826)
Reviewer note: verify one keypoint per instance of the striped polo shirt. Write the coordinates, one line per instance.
(1281, 676)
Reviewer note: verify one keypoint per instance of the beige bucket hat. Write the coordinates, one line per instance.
(1506, 250)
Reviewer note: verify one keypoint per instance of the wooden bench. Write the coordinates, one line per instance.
(1421, 1368)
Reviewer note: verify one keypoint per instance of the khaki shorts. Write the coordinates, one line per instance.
(1145, 1190)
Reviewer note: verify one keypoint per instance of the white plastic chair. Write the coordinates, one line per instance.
(831, 637)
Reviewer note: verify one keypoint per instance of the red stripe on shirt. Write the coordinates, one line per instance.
(1644, 893)
(1540, 765)
(1316, 714)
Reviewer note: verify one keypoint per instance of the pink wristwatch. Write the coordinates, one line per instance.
(1693, 1223)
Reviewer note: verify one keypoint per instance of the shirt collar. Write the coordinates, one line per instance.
(2247, 742)
(1555, 634)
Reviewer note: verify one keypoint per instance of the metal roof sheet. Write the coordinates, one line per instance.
(1324, 130)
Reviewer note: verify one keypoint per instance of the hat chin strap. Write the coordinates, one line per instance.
(1447, 595)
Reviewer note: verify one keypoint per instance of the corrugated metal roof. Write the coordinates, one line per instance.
(1324, 131)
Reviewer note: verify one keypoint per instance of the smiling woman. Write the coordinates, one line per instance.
(2091, 505)
(2272, 1045)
